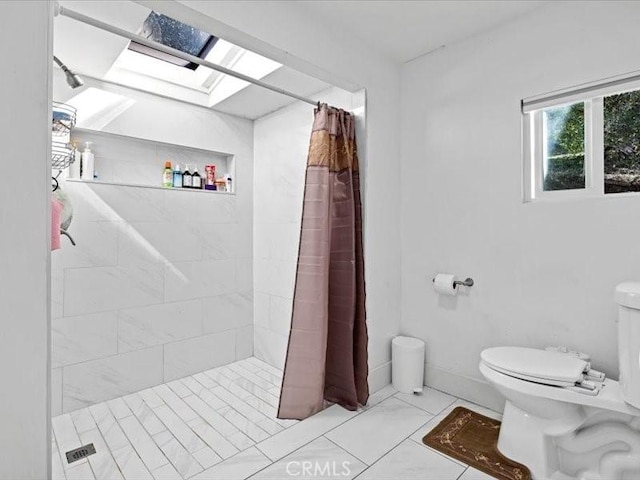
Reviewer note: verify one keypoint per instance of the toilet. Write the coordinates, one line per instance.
(563, 419)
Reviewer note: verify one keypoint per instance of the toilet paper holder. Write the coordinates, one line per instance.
(467, 282)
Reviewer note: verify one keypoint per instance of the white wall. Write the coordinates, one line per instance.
(159, 285)
(25, 241)
(545, 272)
(281, 144)
(286, 32)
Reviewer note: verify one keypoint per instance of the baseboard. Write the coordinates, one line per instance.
(467, 388)
(379, 377)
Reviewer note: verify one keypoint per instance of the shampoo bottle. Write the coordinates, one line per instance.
(88, 164)
(167, 176)
(177, 177)
(74, 168)
(196, 179)
(186, 178)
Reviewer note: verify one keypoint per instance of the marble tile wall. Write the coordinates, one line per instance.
(123, 159)
(158, 287)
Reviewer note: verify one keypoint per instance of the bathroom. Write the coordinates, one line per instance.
(446, 188)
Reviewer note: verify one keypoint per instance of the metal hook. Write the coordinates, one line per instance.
(468, 282)
(55, 183)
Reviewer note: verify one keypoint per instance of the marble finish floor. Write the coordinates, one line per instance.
(221, 424)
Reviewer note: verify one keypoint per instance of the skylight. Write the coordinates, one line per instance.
(174, 34)
(153, 71)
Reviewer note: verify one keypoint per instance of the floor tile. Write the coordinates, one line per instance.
(409, 461)
(238, 467)
(303, 432)
(430, 400)
(376, 431)
(130, 464)
(319, 459)
(473, 474)
(142, 443)
(179, 457)
(102, 462)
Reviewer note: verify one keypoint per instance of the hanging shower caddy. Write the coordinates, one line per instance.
(63, 153)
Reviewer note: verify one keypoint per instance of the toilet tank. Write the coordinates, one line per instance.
(628, 299)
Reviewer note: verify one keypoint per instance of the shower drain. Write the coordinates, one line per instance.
(80, 453)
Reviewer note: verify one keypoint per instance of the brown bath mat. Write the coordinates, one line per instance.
(473, 439)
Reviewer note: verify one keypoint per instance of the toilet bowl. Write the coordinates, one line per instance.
(561, 419)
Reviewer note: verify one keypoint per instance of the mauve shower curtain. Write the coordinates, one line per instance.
(327, 353)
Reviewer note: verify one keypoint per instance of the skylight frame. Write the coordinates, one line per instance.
(166, 57)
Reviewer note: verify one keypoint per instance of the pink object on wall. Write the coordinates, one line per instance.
(56, 211)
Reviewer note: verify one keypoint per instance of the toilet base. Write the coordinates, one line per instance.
(593, 445)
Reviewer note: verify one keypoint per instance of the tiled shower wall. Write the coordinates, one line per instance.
(159, 285)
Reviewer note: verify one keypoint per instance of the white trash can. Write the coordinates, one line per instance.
(407, 364)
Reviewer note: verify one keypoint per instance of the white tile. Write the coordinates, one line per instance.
(82, 338)
(101, 289)
(150, 325)
(127, 203)
(207, 457)
(303, 432)
(175, 403)
(151, 398)
(110, 377)
(244, 274)
(238, 467)
(96, 245)
(83, 420)
(66, 437)
(185, 357)
(382, 394)
(179, 388)
(57, 291)
(56, 392)
(472, 474)
(213, 438)
(318, 459)
(202, 278)
(142, 442)
(192, 384)
(102, 462)
(280, 314)
(179, 429)
(180, 458)
(166, 472)
(219, 241)
(376, 431)
(169, 241)
(243, 424)
(130, 464)
(57, 470)
(228, 311)
(270, 347)
(119, 408)
(79, 471)
(144, 414)
(109, 427)
(242, 407)
(244, 342)
(213, 400)
(409, 461)
(432, 401)
(261, 307)
(265, 366)
(209, 381)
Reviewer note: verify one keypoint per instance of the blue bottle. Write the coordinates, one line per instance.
(177, 177)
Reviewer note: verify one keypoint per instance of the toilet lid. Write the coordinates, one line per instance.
(552, 368)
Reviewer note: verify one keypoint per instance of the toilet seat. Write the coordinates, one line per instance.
(539, 366)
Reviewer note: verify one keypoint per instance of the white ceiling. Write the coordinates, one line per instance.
(403, 30)
(400, 30)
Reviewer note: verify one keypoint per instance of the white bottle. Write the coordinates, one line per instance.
(87, 163)
(74, 169)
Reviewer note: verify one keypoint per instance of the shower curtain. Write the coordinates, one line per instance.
(327, 352)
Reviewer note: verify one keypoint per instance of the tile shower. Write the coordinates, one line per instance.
(160, 284)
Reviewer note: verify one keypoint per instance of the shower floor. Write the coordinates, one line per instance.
(221, 424)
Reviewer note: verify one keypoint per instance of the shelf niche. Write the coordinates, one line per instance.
(139, 162)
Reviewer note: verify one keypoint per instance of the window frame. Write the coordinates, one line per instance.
(534, 138)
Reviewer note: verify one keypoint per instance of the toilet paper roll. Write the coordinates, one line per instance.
(443, 284)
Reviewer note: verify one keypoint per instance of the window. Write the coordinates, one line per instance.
(174, 34)
(583, 142)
